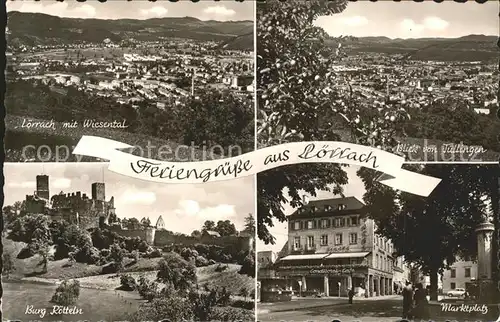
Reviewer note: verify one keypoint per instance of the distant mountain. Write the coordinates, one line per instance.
(26, 28)
(466, 48)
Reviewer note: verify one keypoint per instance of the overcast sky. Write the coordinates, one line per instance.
(355, 188)
(184, 207)
(408, 19)
(204, 10)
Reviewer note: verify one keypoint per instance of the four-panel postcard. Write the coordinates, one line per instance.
(250, 161)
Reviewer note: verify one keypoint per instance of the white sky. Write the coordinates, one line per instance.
(114, 9)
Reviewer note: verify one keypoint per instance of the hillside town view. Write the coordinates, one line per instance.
(149, 85)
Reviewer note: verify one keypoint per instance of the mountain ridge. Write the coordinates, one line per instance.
(25, 29)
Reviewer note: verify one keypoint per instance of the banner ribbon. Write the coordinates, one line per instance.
(257, 161)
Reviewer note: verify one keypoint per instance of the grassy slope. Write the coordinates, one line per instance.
(89, 274)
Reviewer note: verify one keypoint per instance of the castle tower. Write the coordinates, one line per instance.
(160, 224)
(98, 191)
(42, 186)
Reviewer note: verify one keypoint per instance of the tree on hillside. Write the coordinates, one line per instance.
(196, 234)
(218, 118)
(431, 232)
(249, 225)
(208, 225)
(174, 270)
(145, 222)
(133, 224)
(300, 98)
(226, 228)
(452, 120)
(7, 264)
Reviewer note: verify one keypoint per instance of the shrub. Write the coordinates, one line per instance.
(248, 266)
(88, 255)
(67, 293)
(220, 268)
(201, 261)
(148, 290)
(135, 256)
(155, 253)
(171, 308)
(231, 314)
(127, 282)
(7, 264)
(177, 271)
(247, 305)
(110, 268)
(26, 252)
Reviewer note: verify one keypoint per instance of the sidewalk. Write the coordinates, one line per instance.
(312, 302)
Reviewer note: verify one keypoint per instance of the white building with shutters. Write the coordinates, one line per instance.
(332, 248)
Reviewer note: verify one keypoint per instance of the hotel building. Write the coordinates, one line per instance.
(332, 248)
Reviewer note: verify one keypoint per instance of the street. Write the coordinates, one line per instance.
(377, 309)
(384, 309)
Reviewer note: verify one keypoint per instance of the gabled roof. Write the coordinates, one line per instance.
(350, 205)
(160, 221)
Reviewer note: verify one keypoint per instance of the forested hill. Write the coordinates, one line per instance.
(467, 48)
(37, 29)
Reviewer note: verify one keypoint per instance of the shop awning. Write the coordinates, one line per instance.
(303, 257)
(346, 255)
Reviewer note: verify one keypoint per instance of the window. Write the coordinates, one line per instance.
(342, 222)
(328, 208)
(310, 224)
(296, 225)
(453, 273)
(376, 241)
(376, 261)
(354, 221)
(353, 238)
(296, 243)
(324, 240)
(453, 286)
(324, 223)
(310, 241)
(467, 272)
(341, 207)
(338, 239)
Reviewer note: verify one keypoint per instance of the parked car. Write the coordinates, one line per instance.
(458, 292)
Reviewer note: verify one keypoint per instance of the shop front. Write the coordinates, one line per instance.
(336, 280)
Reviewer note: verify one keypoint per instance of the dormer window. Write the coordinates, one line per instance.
(301, 210)
(313, 209)
(328, 207)
(341, 207)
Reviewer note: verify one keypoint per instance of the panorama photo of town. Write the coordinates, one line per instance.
(419, 79)
(82, 243)
(154, 76)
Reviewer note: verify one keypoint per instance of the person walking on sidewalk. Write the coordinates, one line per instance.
(407, 300)
(351, 295)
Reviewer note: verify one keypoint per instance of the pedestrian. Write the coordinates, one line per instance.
(407, 300)
(421, 310)
(351, 295)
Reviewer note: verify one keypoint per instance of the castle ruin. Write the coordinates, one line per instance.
(76, 208)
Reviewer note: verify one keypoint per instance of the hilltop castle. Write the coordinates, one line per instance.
(96, 212)
(76, 208)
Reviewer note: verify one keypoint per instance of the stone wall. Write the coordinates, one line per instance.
(163, 238)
